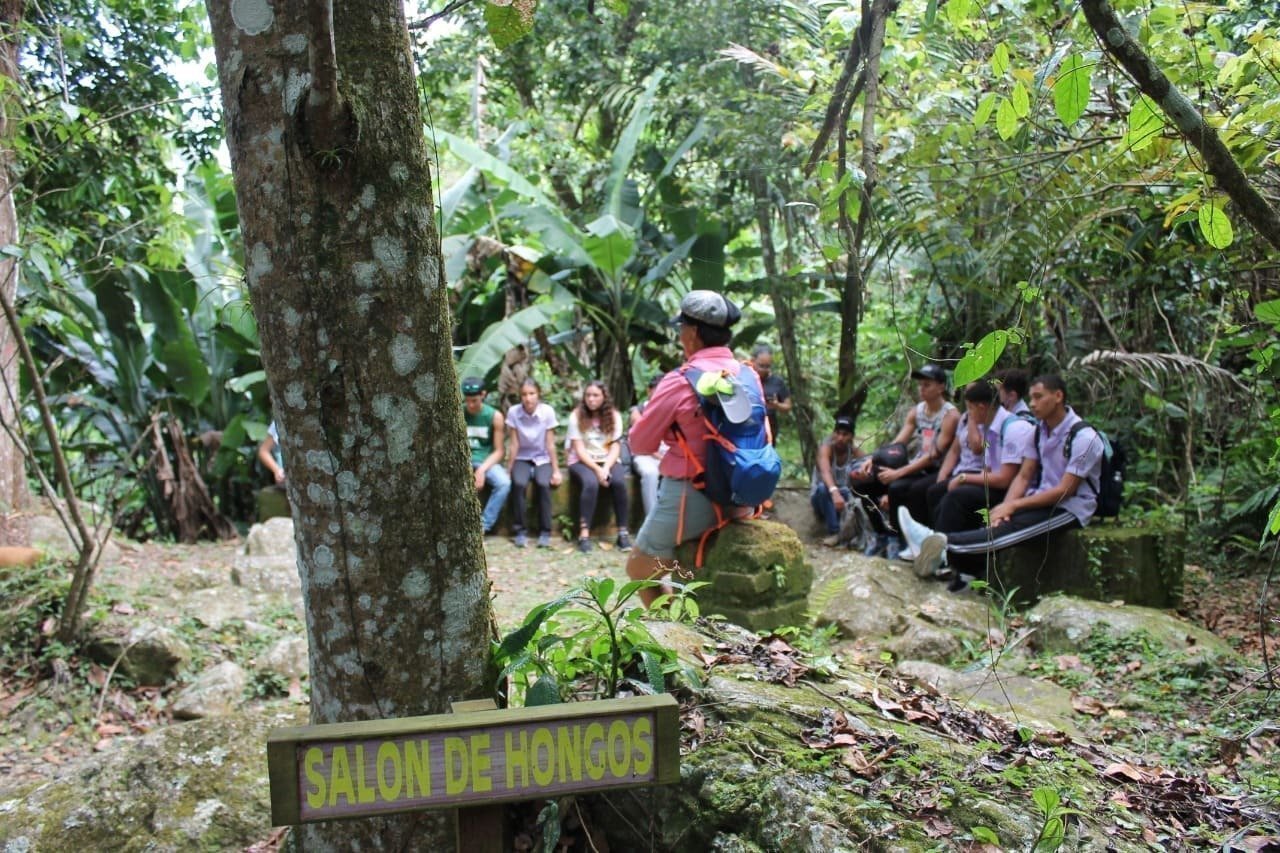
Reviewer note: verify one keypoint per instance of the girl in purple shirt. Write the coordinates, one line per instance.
(532, 427)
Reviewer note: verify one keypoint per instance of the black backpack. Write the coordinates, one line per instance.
(1110, 489)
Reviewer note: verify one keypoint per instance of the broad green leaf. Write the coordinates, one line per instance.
(1215, 226)
(623, 152)
(1268, 312)
(985, 835)
(1273, 523)
(930, 12)
(1145, 124)
(476, 156)
(978, 361)
(508, 21)
(1051, 836)
(653, 671)
(1047, 799)
(1021, 101)
(487, 352)
(1162, 17)
(957, 12)
(1000, 60)
(240, 384)
(544, 691)
(1006, 119)
(1071, 89)
(663, 268)
(609, 244)
(985, 107)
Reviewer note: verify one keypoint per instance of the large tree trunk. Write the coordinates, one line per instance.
(13, 479)
(344, 272)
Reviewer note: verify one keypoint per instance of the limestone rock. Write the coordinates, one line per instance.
(1018, 699)
(196, 786)
(152, 654)
(287, 658)
(757, 575)
(271, 538)
(1066, 624)
(217, 691)
(268, 573)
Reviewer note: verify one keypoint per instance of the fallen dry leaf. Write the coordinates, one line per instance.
(1121, 770)
(1087, 705)
(1068, 662)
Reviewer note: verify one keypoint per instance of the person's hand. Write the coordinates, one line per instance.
(976, 442)
(884, 503)
(1001, 513)
(603, 476)
(555, 479)
(888, 475)
(478, 477)
(838, 498)
(955, 482)
(278, 474)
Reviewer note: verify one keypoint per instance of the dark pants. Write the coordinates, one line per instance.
(590, 484)
(825, 506)
(967, 550)
(869, 492)
(521, 472)
(913, 493)
(951, 511)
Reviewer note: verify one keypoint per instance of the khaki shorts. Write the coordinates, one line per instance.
(657, 536)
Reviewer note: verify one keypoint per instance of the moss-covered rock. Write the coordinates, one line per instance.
(1066, 624)
(196, 786)
(757, 575)
(146, 652)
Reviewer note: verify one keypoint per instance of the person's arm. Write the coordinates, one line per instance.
(555, 457)
(1001, 512)
(499, 444)
(904, 435)
(653, 425)
(266, 455)
(948, 434)
(949, 463)
(514, 436)
(973, 435)
(782, 402)
(828, 479)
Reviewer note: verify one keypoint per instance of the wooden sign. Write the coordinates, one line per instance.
(346, 770)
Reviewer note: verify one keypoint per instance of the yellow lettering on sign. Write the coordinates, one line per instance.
(455, 765)
(316, 793)
(417, 767)
(642, 738)
(340, 777)
(619, 748)
(517, 756)
(544, 756)
(364, 791)
(480, 763)
(568, 755)
(593, 747)
(389, 790)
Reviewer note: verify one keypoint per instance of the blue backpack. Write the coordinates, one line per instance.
(742, 466)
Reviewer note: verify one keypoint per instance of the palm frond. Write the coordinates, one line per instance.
(1157, 368)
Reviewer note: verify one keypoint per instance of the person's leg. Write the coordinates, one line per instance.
(899, 495)
(542, 477)
(961, 507)
(932, 498)
(825, 507)
(870, 492)
(499, 487)
(521, 471)
(589, 493)
(1024, 526)
(681, 513)
(618, 485)
(917, 502)
(646, 468)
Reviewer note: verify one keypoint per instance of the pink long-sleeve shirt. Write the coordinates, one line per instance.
(673, 402)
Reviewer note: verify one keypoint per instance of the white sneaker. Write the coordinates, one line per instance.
(932, 553)
(912, 530)
(908, 553)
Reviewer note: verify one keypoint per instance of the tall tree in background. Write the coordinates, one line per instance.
(13, 480)
(344, 271)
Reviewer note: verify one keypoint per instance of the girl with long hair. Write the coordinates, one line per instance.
(595, 446)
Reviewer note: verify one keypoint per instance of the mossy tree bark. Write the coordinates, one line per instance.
(344, 271)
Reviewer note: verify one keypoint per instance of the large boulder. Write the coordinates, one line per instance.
(196, 786)
(217, 691)
(288, 658)
(271, 538)
(148, 653)
(1068, 625)
(757, 575)
(1017, 698)
(1137, 565)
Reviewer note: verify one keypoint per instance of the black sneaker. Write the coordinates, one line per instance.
(585, 545)
(623, 542)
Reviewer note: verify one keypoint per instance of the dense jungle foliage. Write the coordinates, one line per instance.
(1008, 178)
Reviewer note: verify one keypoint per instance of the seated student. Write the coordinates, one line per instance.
(931, 426)
(486, 437)
(1012, 382)
(1056, 489)
(595, 445)
(531, 427)
(830, 490)
(646, 464)
(969, 482)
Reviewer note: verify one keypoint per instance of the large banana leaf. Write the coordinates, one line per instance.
(617, 203)
(609, 244)
(486, 353)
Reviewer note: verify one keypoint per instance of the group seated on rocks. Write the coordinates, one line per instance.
(999, 475)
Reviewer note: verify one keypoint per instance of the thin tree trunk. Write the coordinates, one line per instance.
(786, 319)
(14, 494)
(1185, 117)
(345, 275)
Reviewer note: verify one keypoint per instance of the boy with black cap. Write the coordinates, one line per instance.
(485, 438)
(682, 512)
(830, 490)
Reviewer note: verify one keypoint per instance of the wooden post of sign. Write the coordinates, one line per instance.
(482, 829)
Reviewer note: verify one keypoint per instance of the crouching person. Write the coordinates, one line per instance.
(830, 492)
(1057, 488)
